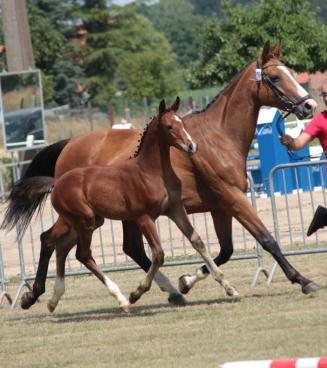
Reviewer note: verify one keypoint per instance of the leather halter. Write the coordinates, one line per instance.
(288, 104)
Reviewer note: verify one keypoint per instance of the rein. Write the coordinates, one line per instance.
(289, 106)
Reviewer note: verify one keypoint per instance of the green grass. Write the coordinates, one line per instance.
(88, 330)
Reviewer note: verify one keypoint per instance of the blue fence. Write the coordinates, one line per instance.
(266, 152)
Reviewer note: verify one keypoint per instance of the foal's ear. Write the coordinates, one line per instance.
(266, 53)
(277, 50)
(162, 107)
(175, 105)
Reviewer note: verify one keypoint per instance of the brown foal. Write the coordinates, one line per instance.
(140, 189)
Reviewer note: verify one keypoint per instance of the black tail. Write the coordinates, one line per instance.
(28, 194)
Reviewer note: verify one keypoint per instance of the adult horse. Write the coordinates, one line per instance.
(224, 131)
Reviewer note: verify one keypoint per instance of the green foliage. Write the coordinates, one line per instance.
(123, 52)
(47, 42)
(231, 44)
(179, 22)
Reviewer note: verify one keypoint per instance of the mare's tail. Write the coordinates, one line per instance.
(30, 192)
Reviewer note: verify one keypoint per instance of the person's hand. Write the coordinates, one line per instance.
(286, 140)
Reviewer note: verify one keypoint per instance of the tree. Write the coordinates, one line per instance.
(178, 21)
(232, 43)
(118, 45)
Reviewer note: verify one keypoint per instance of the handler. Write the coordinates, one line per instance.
(317, 128)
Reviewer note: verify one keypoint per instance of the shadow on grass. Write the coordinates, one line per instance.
(106, 314)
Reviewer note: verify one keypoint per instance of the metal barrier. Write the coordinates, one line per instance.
(107, 244)
(293, 212)
(3, 282)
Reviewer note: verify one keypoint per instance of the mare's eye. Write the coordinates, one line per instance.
(275, 78)
(169, 127)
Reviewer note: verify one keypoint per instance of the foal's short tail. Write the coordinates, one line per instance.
(29, 194)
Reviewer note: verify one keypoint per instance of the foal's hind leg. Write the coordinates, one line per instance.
(84, 255)
(133, 246)
(223, 226)
(148, 228)
(64, 243)
(179, 216)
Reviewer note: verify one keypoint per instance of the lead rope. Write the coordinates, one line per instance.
(262, 77)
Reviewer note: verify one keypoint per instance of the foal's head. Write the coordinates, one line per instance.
(174, 129)
(281, 88)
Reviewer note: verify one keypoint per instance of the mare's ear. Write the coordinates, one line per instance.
(266, 53)
(162, 107)
(175, 105)
(277, 50)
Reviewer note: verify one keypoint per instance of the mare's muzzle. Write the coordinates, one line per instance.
(305, 109)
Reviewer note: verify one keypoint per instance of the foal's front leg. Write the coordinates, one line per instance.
(148, 228)
(179, 216)
(223, 226)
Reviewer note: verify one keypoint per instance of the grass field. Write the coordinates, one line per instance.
(88, 330)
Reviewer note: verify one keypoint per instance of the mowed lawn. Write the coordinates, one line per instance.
(88, 329)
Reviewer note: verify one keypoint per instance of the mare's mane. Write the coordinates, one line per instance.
(221, 92)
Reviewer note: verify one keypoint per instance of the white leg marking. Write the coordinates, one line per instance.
(58, 291)
(115, 292)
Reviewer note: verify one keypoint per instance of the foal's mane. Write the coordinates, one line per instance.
(143, 135)
(222, 91)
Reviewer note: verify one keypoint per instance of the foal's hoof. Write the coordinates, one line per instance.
(27, 300)
(177, 299)
(51, 307)
(125, 308)
(134, 297)
(311, 287)
(183, 285)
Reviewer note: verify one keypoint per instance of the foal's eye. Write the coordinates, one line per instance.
(169, 127)
(275, 78)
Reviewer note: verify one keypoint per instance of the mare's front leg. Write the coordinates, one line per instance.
(148, 228)
(133, 246)
(179, 216)
(245, 214)
(223, 227)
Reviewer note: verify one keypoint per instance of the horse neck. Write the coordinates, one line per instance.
(154, 152)
(234, 113)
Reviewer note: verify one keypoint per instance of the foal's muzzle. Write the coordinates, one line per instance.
(191, 148)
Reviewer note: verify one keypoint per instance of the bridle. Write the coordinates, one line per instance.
(288, 105)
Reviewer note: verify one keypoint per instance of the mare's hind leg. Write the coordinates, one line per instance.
(84, 255)
(46, 251)
(223, 226)
(179, 216)
(245, 214)
(148, 228)
(133, 246)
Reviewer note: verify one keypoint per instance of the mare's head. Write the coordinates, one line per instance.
(174, 129)
(278, 87)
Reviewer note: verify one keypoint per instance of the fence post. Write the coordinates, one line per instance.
(3, 280)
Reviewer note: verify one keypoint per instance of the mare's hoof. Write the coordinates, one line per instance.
(183, 287)
(26, 301)
(125, 308)
(134, 297)
(231, 291)
(177, 299)
(311, 287)
(51, 308)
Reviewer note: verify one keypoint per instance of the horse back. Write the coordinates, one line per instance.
(102, 147)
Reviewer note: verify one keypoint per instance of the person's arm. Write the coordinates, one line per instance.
(295, 144)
